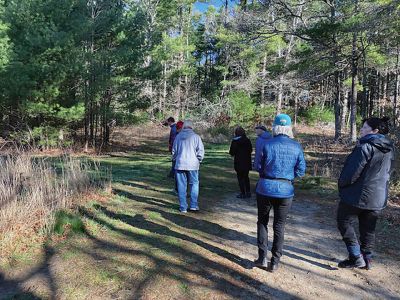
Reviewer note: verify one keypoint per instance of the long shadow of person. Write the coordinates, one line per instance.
(140, 222)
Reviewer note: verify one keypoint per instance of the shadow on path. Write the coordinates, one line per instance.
(14, 289)
(221, 277)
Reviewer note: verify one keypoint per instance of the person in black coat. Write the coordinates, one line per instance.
(363, 190)
(241, 149)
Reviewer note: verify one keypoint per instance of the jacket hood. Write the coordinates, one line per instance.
(240, 139)
(185, 133)
(379, 141)
(266, 135)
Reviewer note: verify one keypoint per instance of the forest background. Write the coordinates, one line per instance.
(71, 71)
(103, 75)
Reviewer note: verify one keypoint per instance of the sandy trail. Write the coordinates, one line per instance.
(312, 249)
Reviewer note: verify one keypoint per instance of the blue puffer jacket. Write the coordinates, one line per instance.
(260, 142)
(282, 160)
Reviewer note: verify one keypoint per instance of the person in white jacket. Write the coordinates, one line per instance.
(187, 153)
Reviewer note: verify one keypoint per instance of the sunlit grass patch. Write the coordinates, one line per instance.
(67, 222)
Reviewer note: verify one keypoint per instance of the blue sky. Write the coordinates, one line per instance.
(202, 7)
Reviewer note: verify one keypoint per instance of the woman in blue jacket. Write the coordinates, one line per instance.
(363, 190)
(282, 160)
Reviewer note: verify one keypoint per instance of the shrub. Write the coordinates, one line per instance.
(218, 134)
(317, 113)
(265, 114)
(224, 130)
(242, 109)
(126, 118)
(44, 137)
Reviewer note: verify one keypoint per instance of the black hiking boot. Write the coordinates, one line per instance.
(273, 266)
(368, 262)
(248, 195)
(352, 262)
(261, 263)
(240, 196)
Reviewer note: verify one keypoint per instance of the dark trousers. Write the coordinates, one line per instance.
(171, 173)
(244, 181)
(347, 217)
(281, 208)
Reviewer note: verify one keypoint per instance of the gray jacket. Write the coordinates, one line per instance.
(188, 150)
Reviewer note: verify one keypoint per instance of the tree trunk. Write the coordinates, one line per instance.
(384, 93)
(337, 79)
(338, 102)
(164, 95)
(396, 87)
(353, 105)
(354, 81)
(263, 77)
(280, 95)
(345, 103)
(364, 103)
(296, 108)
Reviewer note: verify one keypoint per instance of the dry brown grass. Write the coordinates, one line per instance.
(32, 190)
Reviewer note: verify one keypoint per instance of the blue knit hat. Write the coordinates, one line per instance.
(282, 120)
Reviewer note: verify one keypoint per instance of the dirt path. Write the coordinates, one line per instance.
(311, 252)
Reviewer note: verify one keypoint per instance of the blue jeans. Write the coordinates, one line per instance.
(182, 178)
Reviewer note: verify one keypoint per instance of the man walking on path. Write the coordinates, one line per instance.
(262, 137)
(172, 136)
(187, 152)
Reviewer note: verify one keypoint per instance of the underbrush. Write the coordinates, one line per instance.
(217, 135)
(33, 190)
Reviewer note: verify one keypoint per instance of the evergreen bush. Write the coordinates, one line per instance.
(317, 113)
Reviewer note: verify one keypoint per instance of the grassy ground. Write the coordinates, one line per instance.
(138, 238)
(136, 243)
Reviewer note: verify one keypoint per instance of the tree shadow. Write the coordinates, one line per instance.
(213, 229)
(146, 200)
(13, 289)
(312, 262)
(147, 187)
(290, 251)
(375, 293)
(196, 264)
(139, 221)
